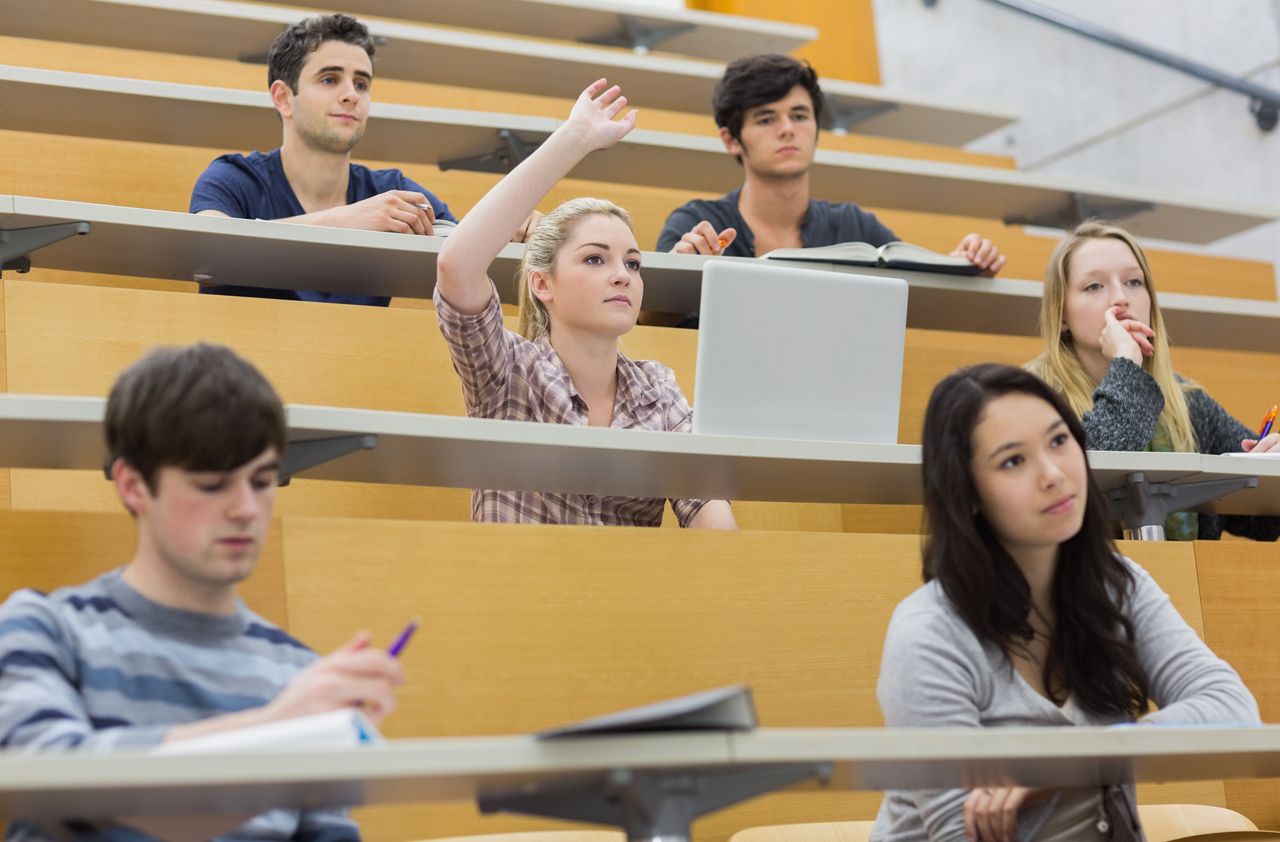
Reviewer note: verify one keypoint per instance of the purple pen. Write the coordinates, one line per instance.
(403, 639)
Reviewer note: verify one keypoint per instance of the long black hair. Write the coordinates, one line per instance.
(1092, 653)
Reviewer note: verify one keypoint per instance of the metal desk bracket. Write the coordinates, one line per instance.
(650, 804)
(302, 455)
(1080, 208)
(16, 244)
(636, 35)
(841, 118)
(512, 151)
(1142, 506)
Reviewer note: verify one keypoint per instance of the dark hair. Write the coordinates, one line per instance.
(755, 80)
(1092, 651)
(200, 407)
(290, 49)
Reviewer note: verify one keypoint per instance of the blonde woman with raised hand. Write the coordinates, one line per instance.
(580, 291)
(1107, 353)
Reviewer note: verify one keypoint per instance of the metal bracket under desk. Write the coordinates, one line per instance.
(640, 38)
(1080, 208)
(301, 455)
(840, 119)
(512, 150)
(17, 244)
(650, 804)
(1143, 506)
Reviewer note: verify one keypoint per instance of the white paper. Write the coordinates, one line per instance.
(337, 729)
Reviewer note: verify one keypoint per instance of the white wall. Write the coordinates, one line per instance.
(1089, 110)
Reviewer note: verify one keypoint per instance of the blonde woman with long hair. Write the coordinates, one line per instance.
(1107, 352)
(580, 291)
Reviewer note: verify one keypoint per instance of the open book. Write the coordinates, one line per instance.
(895, 255)
(723, 709)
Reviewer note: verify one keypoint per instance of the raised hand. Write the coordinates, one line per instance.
(593, 118)
(1128, 338)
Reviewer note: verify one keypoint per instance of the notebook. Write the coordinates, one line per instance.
(895, 255)
(799, 353)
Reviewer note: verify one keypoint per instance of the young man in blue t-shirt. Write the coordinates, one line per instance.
(162, 649)
(768, 108)
(320, 73)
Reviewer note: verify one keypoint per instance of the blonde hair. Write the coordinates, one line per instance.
(542, 246)
(1060, 366)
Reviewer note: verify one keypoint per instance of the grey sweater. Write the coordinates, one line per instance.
(1126, 406)
(936, 673)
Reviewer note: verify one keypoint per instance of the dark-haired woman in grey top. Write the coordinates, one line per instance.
(1029, 616)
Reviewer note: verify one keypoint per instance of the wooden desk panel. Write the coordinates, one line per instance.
(71, 168)
(48, 550)
(1239, 590)
(530, 626)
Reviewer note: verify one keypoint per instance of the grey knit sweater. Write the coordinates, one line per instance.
(936, 673)
(1126, 406)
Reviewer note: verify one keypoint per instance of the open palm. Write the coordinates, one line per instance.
(594, 114)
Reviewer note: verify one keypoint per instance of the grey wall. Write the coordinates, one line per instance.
(1092, 111)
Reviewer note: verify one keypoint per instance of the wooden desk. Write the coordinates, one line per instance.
(161, 112)
(51, 785)
(39, 431)
(230, 30)
(163, 244)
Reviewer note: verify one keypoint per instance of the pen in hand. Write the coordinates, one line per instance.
(1267, 421)
(402, 640)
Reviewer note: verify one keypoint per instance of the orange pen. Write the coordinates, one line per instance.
(723, 241)
(1267, 421)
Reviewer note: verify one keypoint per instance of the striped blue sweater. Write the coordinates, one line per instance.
(98, 667)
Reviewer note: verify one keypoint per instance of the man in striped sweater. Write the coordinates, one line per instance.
(163, 649)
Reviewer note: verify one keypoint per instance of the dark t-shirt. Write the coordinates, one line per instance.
(826, 224)
(255, 187)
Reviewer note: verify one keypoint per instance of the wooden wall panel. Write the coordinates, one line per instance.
(62, 167)
(314, 353)
(531, 626)
(194, 70)
(1240, 588)
(5, 496)
(48, 550)
(846, 44)
(572, 623)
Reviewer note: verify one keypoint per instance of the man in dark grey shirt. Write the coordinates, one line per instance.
(768, 108)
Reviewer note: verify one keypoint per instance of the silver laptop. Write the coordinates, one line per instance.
(797, 353)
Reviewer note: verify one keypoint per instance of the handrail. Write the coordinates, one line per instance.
(1264, 103)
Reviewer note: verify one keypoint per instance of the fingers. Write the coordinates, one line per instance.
(357, 642)
(595, 87)
(615, 108)
(970, 815)
(604, 99)
(1269, 444)
(704, 239)
(991, 813)
(530, 222)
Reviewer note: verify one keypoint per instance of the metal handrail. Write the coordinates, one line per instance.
(1264, 103)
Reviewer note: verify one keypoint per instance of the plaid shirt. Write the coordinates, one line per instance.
(508, 377)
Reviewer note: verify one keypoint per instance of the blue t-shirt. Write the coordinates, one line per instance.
(255, 187)
(825, 224)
